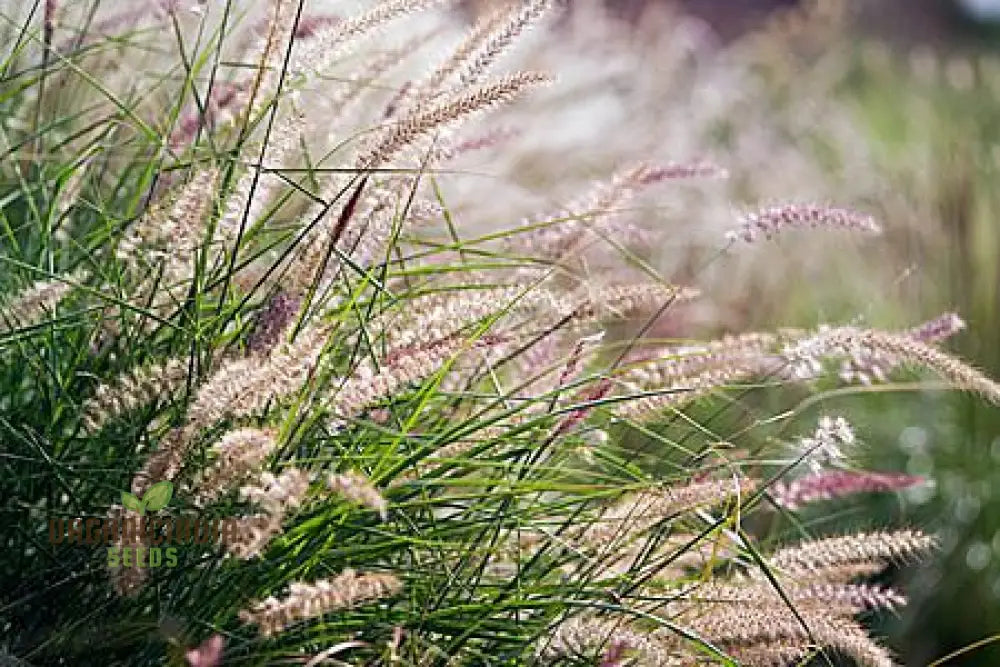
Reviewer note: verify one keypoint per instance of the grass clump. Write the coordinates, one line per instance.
(388, 438)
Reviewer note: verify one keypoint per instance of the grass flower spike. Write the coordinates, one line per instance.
(768, 222)
(355, 487)
(32, 304)
(346, 590)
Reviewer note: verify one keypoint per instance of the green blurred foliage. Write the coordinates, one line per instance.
(936, 123)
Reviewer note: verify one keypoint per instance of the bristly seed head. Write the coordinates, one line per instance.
(346, 590)
(768, 222)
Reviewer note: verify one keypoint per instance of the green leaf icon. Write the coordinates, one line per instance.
(158, 495)
(132, 503)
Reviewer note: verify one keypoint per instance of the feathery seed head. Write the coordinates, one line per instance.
(36, 301)
(847, 599)
(560, 235)
(133, 390)
(868, 366)
(832, 484)
(172, 233)
(636, 514)
(649, 402)
(591, 636)
(681, 170)
(244, 386)
(439, 316)
(355, 487)
(334, 40)
(748, 624)
(346, 590)
(875, 548)
(366, 387)
(411, 128)
(278, 496)
(254, 189)
(854, 342)
(826, 446)
(577, 357)
(273, 322)
(127, 580)
(768, 222)
(238, 454)
(940, 328)
(499, 40)
(630, 299)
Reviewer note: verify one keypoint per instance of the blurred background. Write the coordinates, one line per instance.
(921, 78)
(889, 105)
